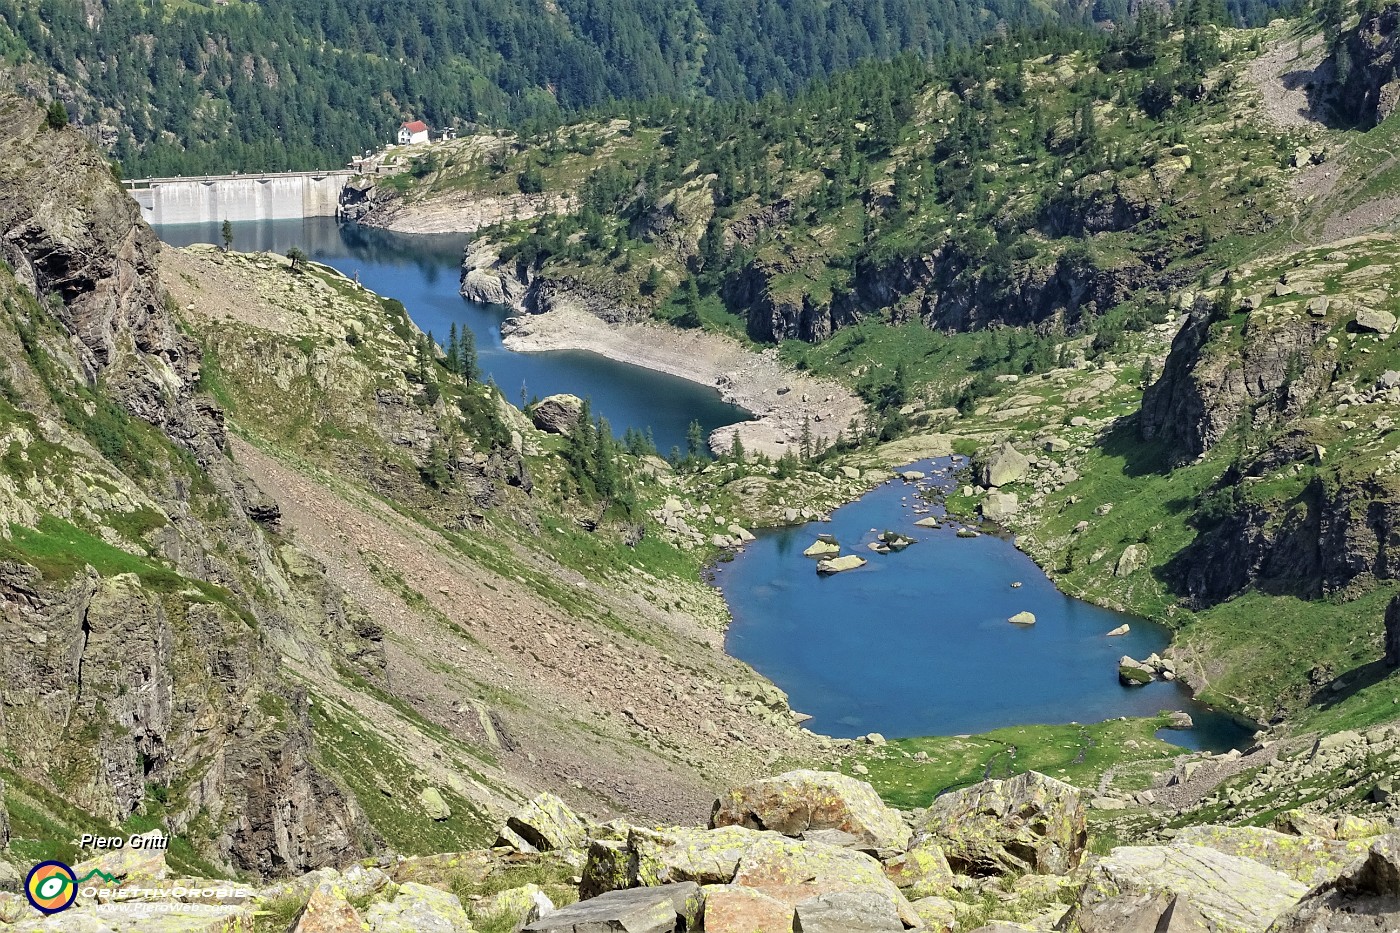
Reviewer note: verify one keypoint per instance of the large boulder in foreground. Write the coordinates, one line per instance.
(661, 909)
(847, 912)
(557, 414)
(418, 908)
(1142, 913)
(800, 802)
(1365, 898)
(1232, 894)
(793, 872)
(730, 908)
(1307, 859)
(545, 824)
(1030, 823)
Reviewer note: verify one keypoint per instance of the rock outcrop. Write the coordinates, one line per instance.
(169, 659)
(557, 414)
(1369, 91)
(1030, 823)
(1207, 387)
(803, 802)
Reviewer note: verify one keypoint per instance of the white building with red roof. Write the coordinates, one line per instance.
(414, 131)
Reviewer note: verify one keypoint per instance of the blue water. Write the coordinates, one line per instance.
(917, 642)
(914, 643)
(423, 272)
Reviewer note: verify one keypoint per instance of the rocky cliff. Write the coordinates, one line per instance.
(145, 604)
(1368, 68)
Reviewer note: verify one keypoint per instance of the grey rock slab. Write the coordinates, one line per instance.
(1233, 894)
(847, 912)
(666, 908)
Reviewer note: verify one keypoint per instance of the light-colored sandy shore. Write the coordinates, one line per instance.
(779, 398)
(463, 212)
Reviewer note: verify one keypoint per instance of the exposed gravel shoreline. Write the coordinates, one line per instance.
(779, 398)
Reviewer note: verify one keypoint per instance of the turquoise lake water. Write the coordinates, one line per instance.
(914, 643)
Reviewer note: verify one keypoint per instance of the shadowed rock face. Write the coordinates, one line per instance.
(1371, 90)
(1206, 387)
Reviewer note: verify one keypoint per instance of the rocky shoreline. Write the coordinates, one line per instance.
(782, 401)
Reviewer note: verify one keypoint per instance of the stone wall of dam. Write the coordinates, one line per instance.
(216, 198)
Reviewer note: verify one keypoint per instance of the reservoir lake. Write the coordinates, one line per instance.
(914, 643)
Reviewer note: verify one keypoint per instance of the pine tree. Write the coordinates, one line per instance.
(226, 232)
(695, 439)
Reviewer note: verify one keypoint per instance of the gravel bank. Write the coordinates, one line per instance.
(779, 398)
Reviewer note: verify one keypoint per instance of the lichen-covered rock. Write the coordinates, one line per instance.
(1363, 899)
(521, 906)
(683, 854)
(847, 912)
(801, 801)
(1030, 823)
(939, 914)
(1233, 894)
(793, 872)
(730, 908)
(546, 824)
(418, 908)
(608, 868)
(328, 911)
(1308, 859)
(1327, 826)
(922, 871)
(661, 909)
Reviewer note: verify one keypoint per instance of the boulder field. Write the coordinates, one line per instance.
(809, 851)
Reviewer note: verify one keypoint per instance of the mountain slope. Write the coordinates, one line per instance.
(187, 88)
(273, 576)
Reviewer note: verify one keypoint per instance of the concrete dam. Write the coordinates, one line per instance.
(216, 198)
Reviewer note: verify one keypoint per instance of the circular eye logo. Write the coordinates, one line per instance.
(51, 887)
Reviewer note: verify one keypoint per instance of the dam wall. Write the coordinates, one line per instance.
(216, 198)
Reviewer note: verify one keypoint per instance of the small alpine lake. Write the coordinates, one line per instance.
(917, 641)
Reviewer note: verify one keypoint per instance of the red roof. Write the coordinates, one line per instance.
(417, 126)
